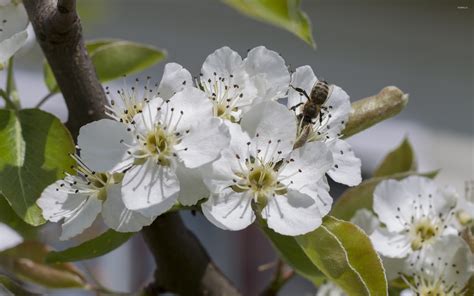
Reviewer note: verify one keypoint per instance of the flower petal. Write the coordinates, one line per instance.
(192, 187)
(229, 210)
(306, 165)
(303, 78)
(293, 214)
(391, 205)
(10, 238)
(117, 216)
(13, 33)
(338, 107)
(272, 127)
(203, 143)
(11, 45)
(101, 144)
(268, 73)
(83, 216)
(175, 79)
(366, 220)
(346, 167)
(224, 62)
(150, 189)
(390, 244)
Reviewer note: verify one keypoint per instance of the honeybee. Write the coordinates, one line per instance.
(313, 106)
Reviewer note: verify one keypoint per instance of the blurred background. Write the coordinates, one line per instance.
(424, 47)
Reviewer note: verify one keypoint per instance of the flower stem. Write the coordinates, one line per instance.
(11, 95)
(44, 99)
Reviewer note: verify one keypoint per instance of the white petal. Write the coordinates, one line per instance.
(392, 206)
(407, 292)
(230, 210)
(338, 107)
(366, 220)
(175, 79)
(14, 19)
(11, 45)
(57, 204)
(293, 214)
(100, 144)
(150, 189)
(390, 244)
(203, 143)
(9, 237)
(117, 216)
(346, 167)
(186, 108)
(268, 72)
(303, 78)
(330, 289)
(82, 218)
(271, 122)
(224, 61)
(192, 187)
(307, 165)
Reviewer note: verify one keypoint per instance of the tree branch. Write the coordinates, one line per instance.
(183, 266)
(59, 33)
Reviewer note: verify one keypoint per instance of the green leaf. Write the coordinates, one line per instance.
(33, 154)
(291, 252)
(114, 58)
(360, 254)
(9, 217)
(361, 196)
(27, 262)
(369, 111)
(285, 14)
(400, 160)
(101, 245)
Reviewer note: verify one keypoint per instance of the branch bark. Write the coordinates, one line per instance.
(59, 33)
(183, 266)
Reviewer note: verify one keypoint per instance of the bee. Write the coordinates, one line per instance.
(313, 106)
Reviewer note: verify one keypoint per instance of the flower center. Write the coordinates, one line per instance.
(433, 290)
(159, 144)
(423, 232)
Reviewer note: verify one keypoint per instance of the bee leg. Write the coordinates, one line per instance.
(296, 106)
(321, 114)
(301, 91)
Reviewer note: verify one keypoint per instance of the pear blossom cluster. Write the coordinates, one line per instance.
(221, 142)
(416, 229)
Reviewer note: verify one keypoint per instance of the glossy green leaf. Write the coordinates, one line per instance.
(400, 160)
(344, 253)
(9, 217)
(286, 14)
(34, 148)
(101, 245)
(291, 252)
(116, 59)
(27, 262)
(113, 59)
(361, 196)
(360, 253)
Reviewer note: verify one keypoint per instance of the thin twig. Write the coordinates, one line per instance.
(281, 276)
(44, 99)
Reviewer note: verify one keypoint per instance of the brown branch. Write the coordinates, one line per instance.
(281, 276)
(183, 266)
(59, 33)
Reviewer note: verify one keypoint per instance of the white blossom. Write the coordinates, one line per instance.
(234, 84)
(415, 213)
(79, 198)
(9, 238)
(169, 140)
(261, 170)
(465, 207)
(445, 270)
(13, 29)
(327, 126)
